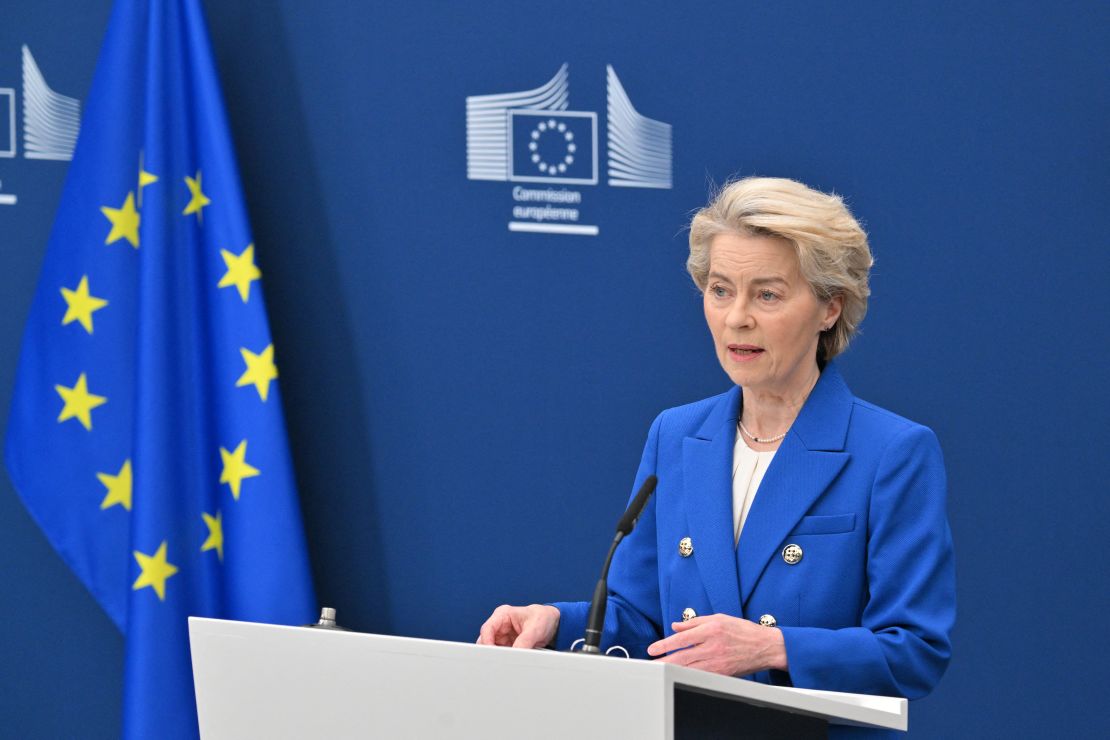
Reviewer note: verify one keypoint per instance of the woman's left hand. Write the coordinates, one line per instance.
(722, 644)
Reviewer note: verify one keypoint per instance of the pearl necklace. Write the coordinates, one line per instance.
(756, 439)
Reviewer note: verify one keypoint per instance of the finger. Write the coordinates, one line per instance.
(688, 624)
(693, 622)
(485, 634)
(498, 629)
(683, 657)
(539, 632)
(659, 647)
(525, 640)
(676, 641)
(524, 635)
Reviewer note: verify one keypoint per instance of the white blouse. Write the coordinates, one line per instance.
(748, 467)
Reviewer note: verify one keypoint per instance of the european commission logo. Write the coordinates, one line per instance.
(51, 120)
(552, 147)
(532, 137)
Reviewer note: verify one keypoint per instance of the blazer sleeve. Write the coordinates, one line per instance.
(902, 646)
(632, 617)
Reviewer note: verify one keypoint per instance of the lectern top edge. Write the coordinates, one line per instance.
(250, 675)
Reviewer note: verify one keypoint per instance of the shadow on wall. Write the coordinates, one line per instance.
(321, 381)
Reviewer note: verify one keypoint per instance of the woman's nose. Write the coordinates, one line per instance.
(739, 316)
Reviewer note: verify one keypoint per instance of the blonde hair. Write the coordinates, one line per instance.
(831, 246)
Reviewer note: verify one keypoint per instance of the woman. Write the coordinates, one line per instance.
(798, 535)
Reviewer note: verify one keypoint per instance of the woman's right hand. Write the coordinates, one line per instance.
(531, 626)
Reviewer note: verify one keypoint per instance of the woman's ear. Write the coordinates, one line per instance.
(833, 307)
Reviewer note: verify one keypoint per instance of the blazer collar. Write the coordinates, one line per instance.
(822, 424)
(806, 464)
(809, 459)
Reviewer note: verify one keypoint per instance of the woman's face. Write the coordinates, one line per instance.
(763, 315)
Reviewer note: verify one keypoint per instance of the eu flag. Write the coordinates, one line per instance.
(556, 147)
(146, 434)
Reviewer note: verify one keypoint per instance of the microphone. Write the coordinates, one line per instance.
(596, 618)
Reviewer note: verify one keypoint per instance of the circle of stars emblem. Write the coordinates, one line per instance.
(552, 135)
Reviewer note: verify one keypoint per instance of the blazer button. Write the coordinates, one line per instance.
(768, 620)
(686, 547)
(688, 614)
(792, 554)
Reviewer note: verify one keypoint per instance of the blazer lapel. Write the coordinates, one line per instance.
(807, 462)
(707, 475)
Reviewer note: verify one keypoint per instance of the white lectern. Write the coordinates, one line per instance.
(266, 681)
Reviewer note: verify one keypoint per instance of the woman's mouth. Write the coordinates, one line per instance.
(744, 352)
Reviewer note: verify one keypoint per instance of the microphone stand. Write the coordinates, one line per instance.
(596, 620)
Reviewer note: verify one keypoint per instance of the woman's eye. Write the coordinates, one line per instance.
(766, 295)
(718, 291)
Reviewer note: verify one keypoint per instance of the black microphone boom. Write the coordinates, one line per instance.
(596, 619)
(632, 513)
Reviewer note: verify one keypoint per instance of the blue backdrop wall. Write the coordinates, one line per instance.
(467, 403)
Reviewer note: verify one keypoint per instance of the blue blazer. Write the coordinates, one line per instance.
(870, 605)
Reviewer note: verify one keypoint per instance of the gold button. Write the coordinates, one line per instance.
(792, 554)
(688, 614)
(686, 547)
(768, 620)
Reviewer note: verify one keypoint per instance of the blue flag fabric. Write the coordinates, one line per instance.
(146, 434)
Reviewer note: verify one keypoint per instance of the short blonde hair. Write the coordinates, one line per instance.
(831, 246)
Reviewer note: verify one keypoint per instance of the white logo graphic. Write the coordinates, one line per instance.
(7, 143)
(50, 120)
(487, 124)
(639, 148)
(7, 112)
(531, 137)
(557, 147)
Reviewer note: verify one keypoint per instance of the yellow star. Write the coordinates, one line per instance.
(198, 199)
(79, 403)
(240, 271)
(125, 222)
(155, 571)
(80, 305)
(260, 370)
(236, 468)
(215, 539)
(145, 178)
(119, 487)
